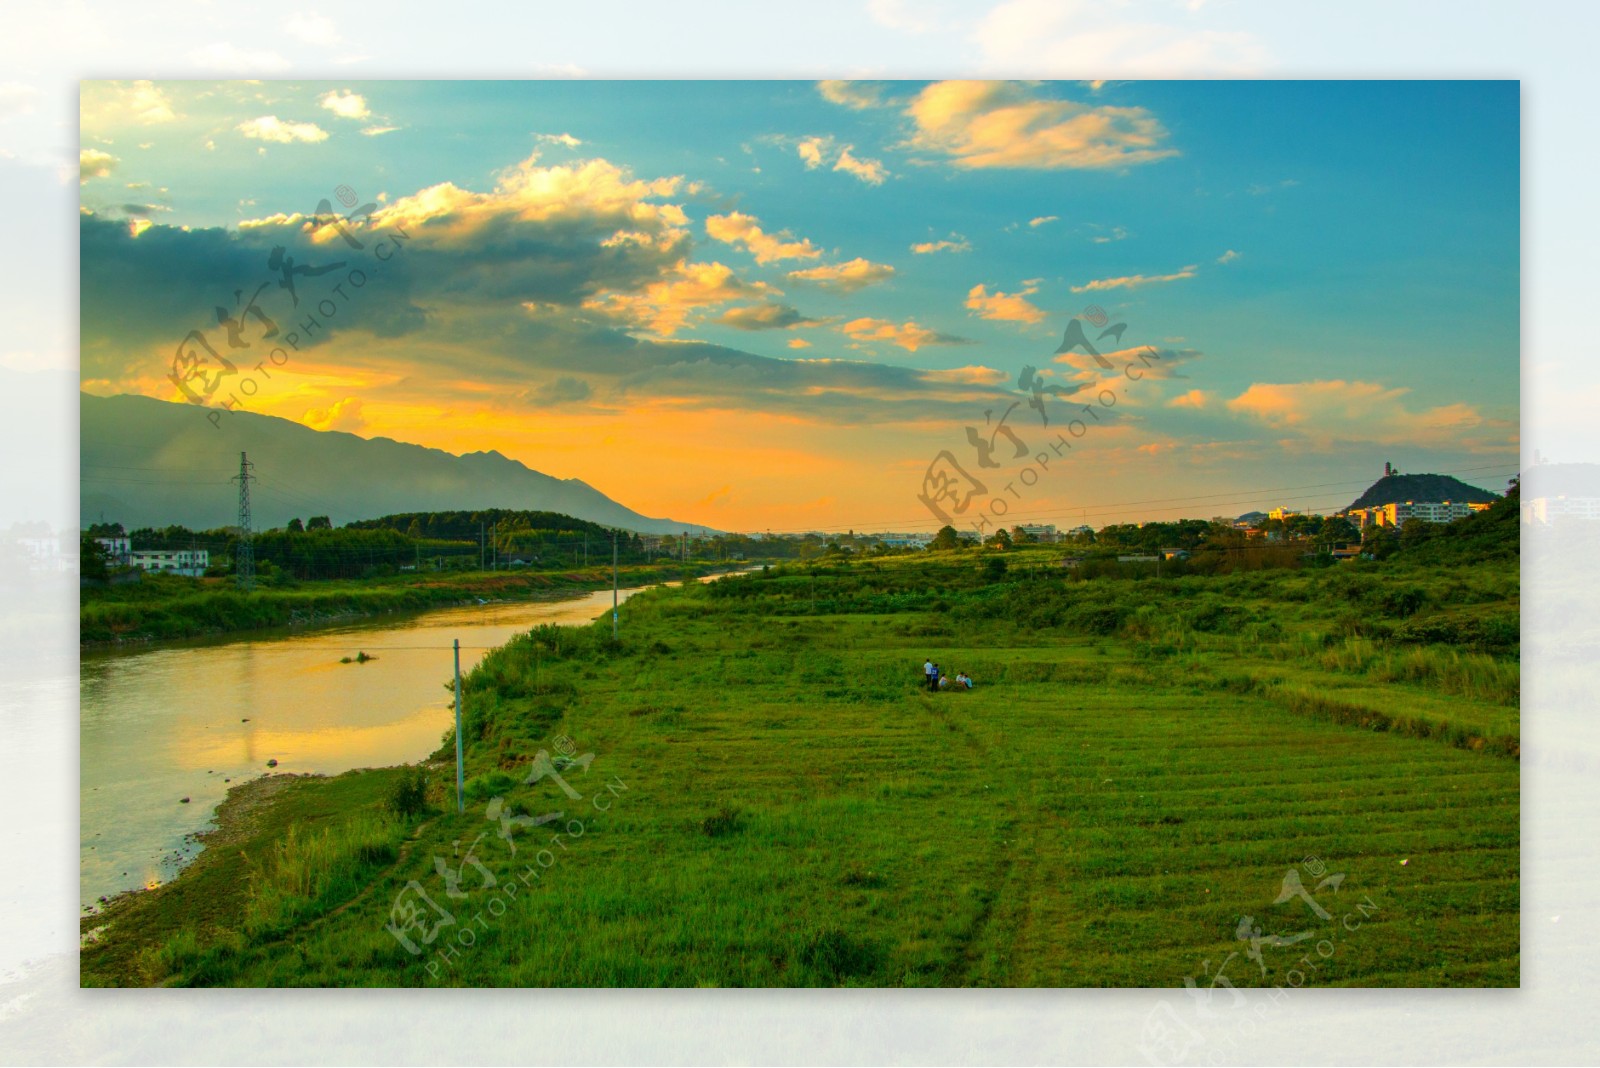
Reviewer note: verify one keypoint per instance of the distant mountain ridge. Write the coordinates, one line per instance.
(147, 462)
(1397, 489)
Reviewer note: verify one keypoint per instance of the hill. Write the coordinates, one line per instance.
(1391, 489)
(146, 462)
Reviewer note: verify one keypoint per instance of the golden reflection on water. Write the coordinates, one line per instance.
(193, 719)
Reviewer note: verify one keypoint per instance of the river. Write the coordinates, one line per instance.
(192, 719)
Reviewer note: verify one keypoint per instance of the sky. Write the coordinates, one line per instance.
(797, 305)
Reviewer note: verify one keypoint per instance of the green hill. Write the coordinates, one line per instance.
(1392, 489)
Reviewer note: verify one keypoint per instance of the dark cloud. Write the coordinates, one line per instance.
(563, 390)
(767, 316)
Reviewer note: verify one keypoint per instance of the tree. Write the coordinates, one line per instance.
(1021, 537)
(295, 526)
(999, 540)
(92, 559)
(947, 538)
(319, 522)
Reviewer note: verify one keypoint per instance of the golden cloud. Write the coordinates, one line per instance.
(736, 228)
(1004, 124)
(665, 307)
(954, 243)
(845, 277)
(1134, 281)
(1005, 307)
(908, 335)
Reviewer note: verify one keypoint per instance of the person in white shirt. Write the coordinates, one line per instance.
(929, 673)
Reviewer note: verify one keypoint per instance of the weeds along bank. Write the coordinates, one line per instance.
(765, 794)
(165, 607)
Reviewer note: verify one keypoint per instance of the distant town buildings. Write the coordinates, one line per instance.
(191, 562)
(119, 551)
(1281, 514)
(1395, 514)
(1040, 531)
(1547, 510)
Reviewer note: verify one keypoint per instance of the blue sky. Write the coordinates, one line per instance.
(1331, 268)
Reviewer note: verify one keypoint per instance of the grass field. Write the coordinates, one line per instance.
(773, 799)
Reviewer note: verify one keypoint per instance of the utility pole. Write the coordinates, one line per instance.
(461, 795)
(613, 585)
(244, 552)
(480, 546)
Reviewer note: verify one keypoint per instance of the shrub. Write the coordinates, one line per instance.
(408, 796)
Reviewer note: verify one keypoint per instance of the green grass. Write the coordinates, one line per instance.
(1139, 767)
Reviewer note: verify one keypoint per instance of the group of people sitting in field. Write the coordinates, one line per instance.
(937, 680)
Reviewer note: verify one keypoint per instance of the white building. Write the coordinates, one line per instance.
(191, 562)
(1045, 532)
(1395, 514)
(119, 551)
(1547, 510)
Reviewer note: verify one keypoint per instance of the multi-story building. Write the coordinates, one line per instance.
(1395, 514)
(119, 551)
(1548, 509)
(1039, 531)
(191, 562)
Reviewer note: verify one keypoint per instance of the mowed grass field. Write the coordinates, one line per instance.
(774, 800)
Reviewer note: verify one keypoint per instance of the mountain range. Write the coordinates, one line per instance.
(152, 463)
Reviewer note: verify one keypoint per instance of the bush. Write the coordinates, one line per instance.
(408, 796)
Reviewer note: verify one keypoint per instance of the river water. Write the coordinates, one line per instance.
(192, 719)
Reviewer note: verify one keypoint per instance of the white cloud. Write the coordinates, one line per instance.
(230, 58)
(117, 104)
(1074, 38)
(1228, 256)
(1042, 220)
(93, 163)
(564, 139)
(346, 105)
(272, 128)
(906, 16)
(16, 99)
(378, 131)
(313, 29)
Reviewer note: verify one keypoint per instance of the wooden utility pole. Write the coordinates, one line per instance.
(613, 585)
